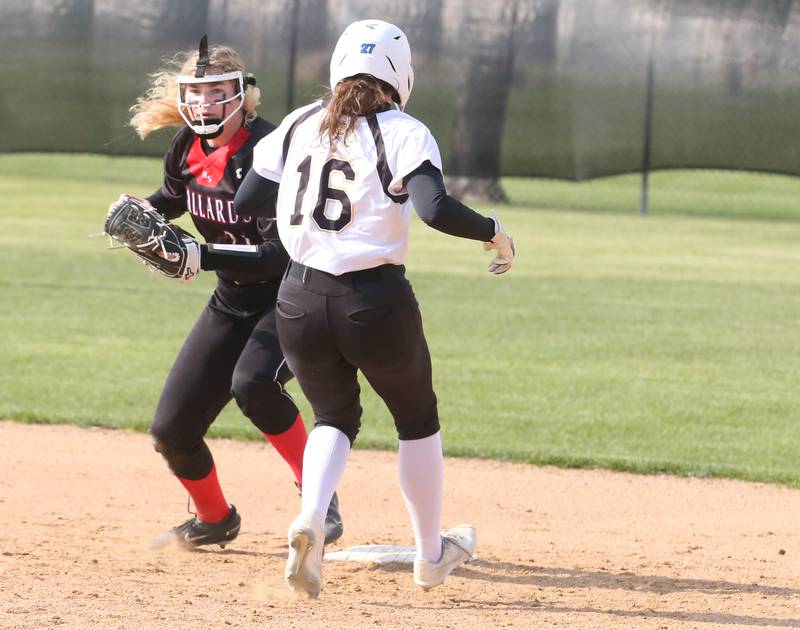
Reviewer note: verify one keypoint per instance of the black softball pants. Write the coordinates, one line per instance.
(223, 357)
(332, 326)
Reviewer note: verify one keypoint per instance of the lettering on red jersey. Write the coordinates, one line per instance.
(214, 209)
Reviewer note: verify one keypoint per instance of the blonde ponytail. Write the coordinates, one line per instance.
(158, 107)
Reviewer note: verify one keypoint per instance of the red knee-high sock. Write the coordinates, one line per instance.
(291, 444)
(207, 496)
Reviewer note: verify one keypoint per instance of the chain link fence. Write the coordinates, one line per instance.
(564, 90)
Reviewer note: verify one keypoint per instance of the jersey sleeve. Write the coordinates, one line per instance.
(270, 152)
(170, 199)
(414, 145)
(268, 155)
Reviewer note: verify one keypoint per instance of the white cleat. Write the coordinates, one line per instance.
(458, 545)
(306, 546)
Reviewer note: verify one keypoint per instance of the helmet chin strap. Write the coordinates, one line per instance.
(215, 123)
(210, 128)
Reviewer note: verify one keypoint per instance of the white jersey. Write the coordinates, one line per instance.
(345, 208)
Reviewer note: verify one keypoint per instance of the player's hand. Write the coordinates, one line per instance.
(124, 197)
(503, 244)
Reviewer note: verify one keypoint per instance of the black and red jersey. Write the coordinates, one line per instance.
(203, 181)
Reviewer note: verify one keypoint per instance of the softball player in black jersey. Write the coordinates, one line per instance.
(232, 351)
(349, 170)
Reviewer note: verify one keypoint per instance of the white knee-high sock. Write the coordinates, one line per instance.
(324, 460)
(421, 469)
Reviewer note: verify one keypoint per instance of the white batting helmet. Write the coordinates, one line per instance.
(378, 48)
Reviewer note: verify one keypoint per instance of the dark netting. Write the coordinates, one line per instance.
(545, 88)
(727, 88)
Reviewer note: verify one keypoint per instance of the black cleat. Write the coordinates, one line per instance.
(333, 522)
(194, 532)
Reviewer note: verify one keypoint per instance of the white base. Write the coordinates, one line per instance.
(380, 554)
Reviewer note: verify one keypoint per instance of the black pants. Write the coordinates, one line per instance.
(331, 326)
(224, 357)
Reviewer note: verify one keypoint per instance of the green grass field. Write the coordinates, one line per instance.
(669, 343)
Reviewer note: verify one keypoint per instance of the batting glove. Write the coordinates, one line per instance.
(503, 244)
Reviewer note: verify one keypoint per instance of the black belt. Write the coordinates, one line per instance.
(303, 274)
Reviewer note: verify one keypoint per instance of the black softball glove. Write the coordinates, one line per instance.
(163, 247)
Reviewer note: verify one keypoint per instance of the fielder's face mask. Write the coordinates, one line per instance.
(193, 110)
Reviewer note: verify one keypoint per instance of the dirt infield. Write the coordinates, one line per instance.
(564, 548)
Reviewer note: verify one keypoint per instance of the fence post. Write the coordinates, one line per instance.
(648, 124)
(292, 54)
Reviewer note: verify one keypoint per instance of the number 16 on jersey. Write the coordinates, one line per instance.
(328, 194)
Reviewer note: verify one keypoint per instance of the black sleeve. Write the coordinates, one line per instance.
(170, 199)
(168, 207)
(256, 196)
(268, 259)
(439, 210)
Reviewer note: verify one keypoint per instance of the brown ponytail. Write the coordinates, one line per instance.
(359, 95)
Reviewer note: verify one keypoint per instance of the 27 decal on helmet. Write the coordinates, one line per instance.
(192, 111)
(377, 48)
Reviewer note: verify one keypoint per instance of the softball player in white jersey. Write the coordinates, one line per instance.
(350, 168)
